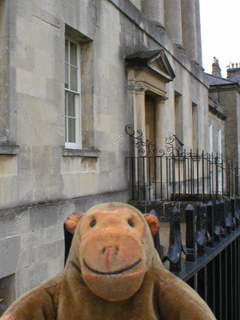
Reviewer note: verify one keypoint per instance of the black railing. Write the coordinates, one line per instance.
(173, 173)
(212, 262)
(183, 176)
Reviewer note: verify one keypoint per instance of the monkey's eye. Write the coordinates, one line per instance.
(92, 223)
(131, 223)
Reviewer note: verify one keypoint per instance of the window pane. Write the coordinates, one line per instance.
(73, 80)
(66, 76)
(66, 103)
(71, 130)
(66, 135)
(71, 104)
(73, 54)
(66, 50)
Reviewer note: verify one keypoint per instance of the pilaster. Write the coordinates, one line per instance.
(160, 123)
(154, 11)
(198, 32)
(189, 29)
(173, 21)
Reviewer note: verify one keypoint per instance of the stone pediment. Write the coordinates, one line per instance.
(155, 60)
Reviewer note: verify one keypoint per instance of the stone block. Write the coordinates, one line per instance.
(27, 258)
(104, 162)
(56, 162)
(9, 253)
(8, 165)
(27, 185)
(47, 252)
(23, 57)
(31, 277)
(54, 90)
(104, 123)
(30, 84)
(13, 222)
(24, 159)
(88, 183)
(55, 266)
(41, 217)
(92, 165)
(71, 185)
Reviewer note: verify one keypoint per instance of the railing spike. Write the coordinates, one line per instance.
(190, 234)
(201, 229)
(210, 224)
(175, 242)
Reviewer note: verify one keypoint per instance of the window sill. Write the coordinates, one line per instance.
(85, 153)
(9, 150)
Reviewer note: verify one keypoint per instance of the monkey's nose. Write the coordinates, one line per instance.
(111, 249)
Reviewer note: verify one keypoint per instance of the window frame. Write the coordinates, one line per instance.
(210, 133)
(77, 97)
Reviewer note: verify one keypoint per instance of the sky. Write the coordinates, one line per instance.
(220, 22)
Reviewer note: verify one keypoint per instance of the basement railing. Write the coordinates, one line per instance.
(175, 174)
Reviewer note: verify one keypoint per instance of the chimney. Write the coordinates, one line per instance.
(233, 70)
(216, 71)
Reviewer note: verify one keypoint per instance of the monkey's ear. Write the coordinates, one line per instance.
(153, 223)
(72, 221)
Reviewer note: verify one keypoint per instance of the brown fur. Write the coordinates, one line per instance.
(143, 291)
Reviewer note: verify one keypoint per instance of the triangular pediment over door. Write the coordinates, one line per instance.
(155, 60)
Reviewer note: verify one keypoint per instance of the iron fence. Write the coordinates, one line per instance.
(210, 263)
(176, 174)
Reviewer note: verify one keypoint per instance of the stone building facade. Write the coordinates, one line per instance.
(226, 95)
(73, 74)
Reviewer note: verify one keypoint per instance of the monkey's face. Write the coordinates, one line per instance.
(112, 253)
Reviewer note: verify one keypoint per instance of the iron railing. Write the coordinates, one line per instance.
(212, 262)
(176, 174)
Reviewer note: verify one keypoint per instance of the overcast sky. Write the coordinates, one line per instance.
(220, 32)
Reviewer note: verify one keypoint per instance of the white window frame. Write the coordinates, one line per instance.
(210, 139)
(219, 142)
(78, 124)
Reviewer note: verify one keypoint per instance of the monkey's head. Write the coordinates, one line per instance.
(114, 248)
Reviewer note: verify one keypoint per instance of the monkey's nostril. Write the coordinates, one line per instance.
(103, 250)
(117, 249)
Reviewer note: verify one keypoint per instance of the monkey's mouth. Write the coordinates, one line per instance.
(112, 273)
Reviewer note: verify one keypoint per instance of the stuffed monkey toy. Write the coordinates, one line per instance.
(113, 272)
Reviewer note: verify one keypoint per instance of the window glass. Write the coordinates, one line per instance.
(72, 95)
(73, 78)
(66, 51)
(71, 105)
(66, 76)
(73, 54)
(71, 130)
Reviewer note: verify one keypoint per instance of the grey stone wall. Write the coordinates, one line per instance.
(229, 98)
(31, 238)
(41, 183)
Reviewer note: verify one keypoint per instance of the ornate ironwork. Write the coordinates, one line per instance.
(144, 149)
(173, 146)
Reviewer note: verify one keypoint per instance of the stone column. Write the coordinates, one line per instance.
(173, 21)
(189, 29)
(198, 31)
(160, 144)
(154, 11)
(160, 123)
(140, 123)
(139, 113)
